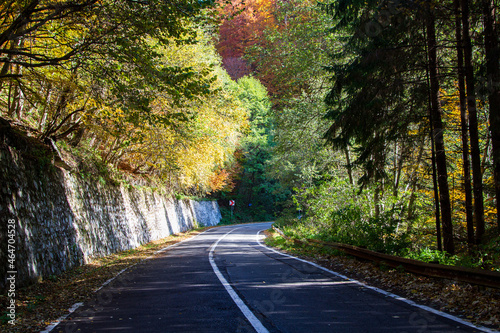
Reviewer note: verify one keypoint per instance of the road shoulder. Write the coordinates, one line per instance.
(475, 304)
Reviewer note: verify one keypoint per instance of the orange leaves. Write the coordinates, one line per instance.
(221, 180)
(248, 21)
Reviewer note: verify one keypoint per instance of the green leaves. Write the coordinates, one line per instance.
(257, 192)
(136, 82)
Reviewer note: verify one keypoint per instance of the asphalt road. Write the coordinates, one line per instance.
(225, 280)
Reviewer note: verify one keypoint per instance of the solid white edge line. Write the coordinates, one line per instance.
(75, 306)
(381, 291)
(60, 319)
(257, 325)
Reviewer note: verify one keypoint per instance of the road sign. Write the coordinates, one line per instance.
(231, 202)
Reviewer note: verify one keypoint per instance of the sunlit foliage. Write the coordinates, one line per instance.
(138, 83)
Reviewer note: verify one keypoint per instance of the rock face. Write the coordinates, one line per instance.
(63, 220)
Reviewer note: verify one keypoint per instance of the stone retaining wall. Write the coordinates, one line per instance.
(63, 220)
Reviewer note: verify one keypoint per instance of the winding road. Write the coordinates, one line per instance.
(226, 280)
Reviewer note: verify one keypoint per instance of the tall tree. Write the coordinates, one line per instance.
(372, 77)
(477, 178)
(492, 48)
(464, 122)
(437, 124)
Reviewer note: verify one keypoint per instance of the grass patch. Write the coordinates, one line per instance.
(274, 239)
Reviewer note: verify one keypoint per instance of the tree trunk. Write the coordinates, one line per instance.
(399, 157)
(378, 165)
(464, 126)
(413, 184)
(15, 95)
(376, 200)
(437, 208)
(442, 173)
(349, 166)
(477, 177)
(492, 50)
(7, 66)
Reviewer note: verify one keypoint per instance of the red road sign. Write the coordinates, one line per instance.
(231, 202)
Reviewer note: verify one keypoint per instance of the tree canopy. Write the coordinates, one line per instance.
(370, 122)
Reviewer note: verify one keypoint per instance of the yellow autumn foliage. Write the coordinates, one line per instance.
(453, 143)
(153, 102)
(189, 155)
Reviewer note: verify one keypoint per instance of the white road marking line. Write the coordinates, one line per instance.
(60, 319)
(383, 292)
(326, 282)
(257, 325)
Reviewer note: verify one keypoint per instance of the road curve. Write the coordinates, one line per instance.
(225, 280)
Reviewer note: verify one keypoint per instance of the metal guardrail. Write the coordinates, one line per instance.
(470, 275)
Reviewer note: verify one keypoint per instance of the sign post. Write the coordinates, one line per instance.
(231, 203)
